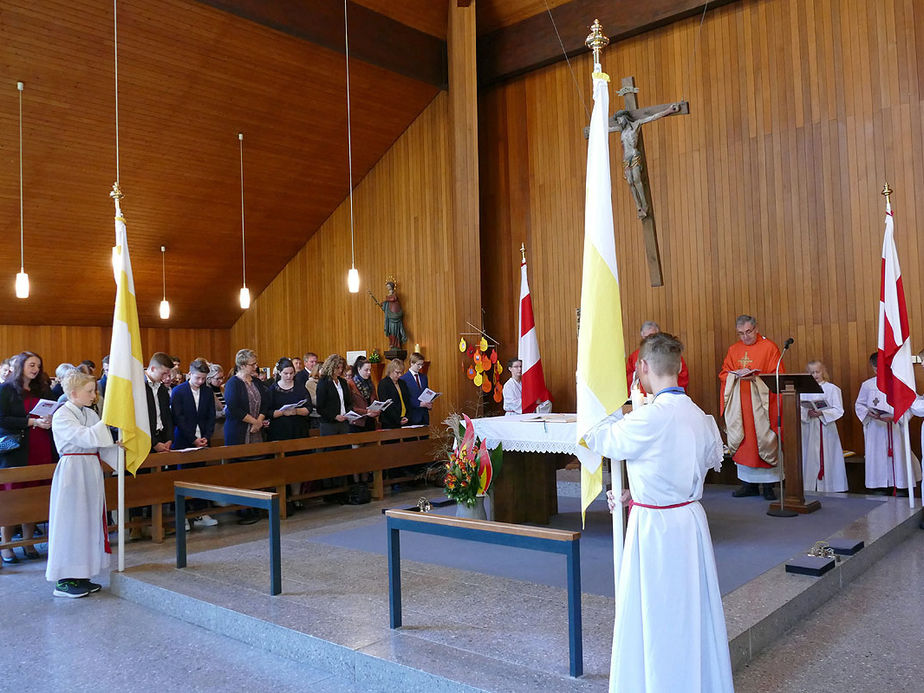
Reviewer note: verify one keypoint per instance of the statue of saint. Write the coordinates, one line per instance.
(631, 158)
(394, 316)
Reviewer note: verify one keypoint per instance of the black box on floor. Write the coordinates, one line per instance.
(815, 566)
(846, 547)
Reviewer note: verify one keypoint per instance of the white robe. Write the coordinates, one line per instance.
(513, 397)
(76, 534)
(882, 470)
(823, 431)
(669, 634)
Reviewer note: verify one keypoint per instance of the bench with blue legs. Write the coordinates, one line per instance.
(262, 500)
(516, 536)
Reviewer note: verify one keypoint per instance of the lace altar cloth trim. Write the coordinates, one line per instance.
(519, 434)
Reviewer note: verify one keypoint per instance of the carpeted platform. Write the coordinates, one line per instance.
(747, 541)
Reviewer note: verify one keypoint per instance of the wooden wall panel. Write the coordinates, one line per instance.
(767, 195)
(403, 226)
(60, 343)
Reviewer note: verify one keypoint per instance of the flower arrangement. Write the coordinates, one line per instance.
(470, 468)
(375, 357)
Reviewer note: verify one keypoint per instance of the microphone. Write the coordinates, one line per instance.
(788, 343)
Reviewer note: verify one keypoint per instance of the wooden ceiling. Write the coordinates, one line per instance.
(191, 77)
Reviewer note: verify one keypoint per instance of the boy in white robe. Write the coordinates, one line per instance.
(822, 455)
(886, 471)
(77, 533)
(513, 389)
(669, 633)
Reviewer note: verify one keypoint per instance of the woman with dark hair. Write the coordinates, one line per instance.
(27, 384)
(362, 393)
(333, 397)
(288, 422)
(392, 387)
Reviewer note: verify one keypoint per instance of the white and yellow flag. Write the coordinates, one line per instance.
(126, 404)
(601, 377)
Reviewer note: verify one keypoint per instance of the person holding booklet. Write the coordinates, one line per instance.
(78, 538)
(420, 404)
(822, 456)
(392, 387)
(362, 391)
(886, 471)
(289, 405)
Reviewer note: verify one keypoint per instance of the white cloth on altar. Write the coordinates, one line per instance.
(823, 431)
(76, 534)
(526, 433)
(513, 397)
(882, 470)
(669, 634)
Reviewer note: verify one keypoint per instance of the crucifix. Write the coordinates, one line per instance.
(628, 122)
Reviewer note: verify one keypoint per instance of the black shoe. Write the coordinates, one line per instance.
(32, 555)
(769, 493)
(248, 517)
(880, 492)
(11, 559)
(902, 492)
(746, 489)
(72, 589)
(91, 586)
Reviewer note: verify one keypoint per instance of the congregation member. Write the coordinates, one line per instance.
(193, 409)
(513, 388)
(823, 466)
(314, 421)
(57, 390)
(362, 395)
(25, 386)
(750, 410)
(289, 423)
(884, 441)
(650, 327)
(5, 368)
(392, 387)
(310, 360)
(88, 366)
(160, 417)
(245, 409)
(667, 589)
(418, 413)
(101, 383)
(78, 538)
(214, 380)
(333, 397)
(297, 364)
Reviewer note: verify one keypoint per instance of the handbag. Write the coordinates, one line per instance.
(10, 442)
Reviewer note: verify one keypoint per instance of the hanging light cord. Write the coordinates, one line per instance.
(22, 259)
(240, 137)
(346, 34)
(561, 43)
(115, 41)
(163, 268)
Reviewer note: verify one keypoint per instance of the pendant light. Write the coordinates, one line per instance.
(22, 279)
(164, 304)
(353, 274)
(245, 292)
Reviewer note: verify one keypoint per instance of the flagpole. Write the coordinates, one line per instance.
(121, 505)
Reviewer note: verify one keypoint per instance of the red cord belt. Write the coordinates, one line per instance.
(659, 507)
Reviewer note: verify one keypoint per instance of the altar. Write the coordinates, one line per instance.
(535, 447)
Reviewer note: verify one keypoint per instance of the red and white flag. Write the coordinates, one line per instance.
(894, 371)
(533, 383)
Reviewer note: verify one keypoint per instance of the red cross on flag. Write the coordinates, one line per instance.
(533, 382)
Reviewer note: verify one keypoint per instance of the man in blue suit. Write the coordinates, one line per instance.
(417, 413)
(193, 409)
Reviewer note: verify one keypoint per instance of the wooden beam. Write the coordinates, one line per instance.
(532, 43)
(374, 38)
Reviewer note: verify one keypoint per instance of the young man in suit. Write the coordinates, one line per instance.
(159, 414)
(193, 409)
(417, 412)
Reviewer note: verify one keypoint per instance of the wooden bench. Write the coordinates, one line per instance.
(517, 536)
(281, 463)
(225, 494)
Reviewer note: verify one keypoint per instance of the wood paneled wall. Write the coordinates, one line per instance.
(403, 213)
(767, 195)
(59, 344)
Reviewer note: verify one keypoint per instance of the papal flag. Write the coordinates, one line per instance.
(601, 379)
(126, 404)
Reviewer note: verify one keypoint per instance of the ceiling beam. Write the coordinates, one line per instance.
(374, 38)
(532, 43)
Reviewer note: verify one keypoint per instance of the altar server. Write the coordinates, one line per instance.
(886, 471)
(822, 456)
(513, 388)
(78, 540)
(667, 591)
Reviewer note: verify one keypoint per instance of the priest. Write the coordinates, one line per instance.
(650, 327)
(669, 633)
(750, 410)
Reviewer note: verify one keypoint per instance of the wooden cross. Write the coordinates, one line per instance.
(628, 123)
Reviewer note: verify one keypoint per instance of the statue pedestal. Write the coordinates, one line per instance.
(396, 354)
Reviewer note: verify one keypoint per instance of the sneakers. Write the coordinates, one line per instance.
(186, 523)
(206, 521)
(72, 589)
(91, 586)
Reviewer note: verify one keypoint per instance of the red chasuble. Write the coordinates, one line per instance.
(683, 379)
(763, 355)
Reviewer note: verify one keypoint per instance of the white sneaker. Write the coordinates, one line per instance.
(187, 525)
(206, 520)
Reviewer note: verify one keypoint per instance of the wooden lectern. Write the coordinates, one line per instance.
(791, 386)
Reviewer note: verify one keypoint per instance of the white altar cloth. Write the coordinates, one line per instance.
(523, 433)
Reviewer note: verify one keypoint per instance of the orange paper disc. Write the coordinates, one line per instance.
(486, 385)
(470, 373)
(494, 356)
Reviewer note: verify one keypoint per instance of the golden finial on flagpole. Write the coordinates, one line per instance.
(887, 192)
(596, 40)
(523, 251)
(116, 192)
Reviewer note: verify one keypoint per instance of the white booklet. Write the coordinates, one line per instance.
(352, 416)
(46, 407)
(378, 406)
(288, 407)
(428, 395)
(816, 404)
